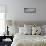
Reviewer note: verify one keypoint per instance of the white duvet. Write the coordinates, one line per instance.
(29, 40)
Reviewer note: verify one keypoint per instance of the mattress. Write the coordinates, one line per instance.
(28, 40)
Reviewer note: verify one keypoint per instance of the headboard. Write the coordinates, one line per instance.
(21, 23)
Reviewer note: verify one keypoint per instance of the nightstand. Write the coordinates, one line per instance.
(5, 42)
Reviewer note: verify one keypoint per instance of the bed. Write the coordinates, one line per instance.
(24, 38)
(29, 40)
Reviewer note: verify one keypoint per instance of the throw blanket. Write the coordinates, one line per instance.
(29, 40)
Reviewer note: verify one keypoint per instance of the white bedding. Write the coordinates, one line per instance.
(29, 40)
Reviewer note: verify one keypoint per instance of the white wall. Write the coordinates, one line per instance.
(15, 10)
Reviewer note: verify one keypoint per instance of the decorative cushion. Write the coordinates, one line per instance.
(13, 30)
(36, 30)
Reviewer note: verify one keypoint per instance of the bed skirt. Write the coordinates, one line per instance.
(23, 43)
(29, 40)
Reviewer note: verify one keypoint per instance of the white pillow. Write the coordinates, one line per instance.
(24, 30)
(13, 30)
(42, 30)
(28, 31)
(36, 30)
(28, 26)
(21, 30)
(44, 27)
